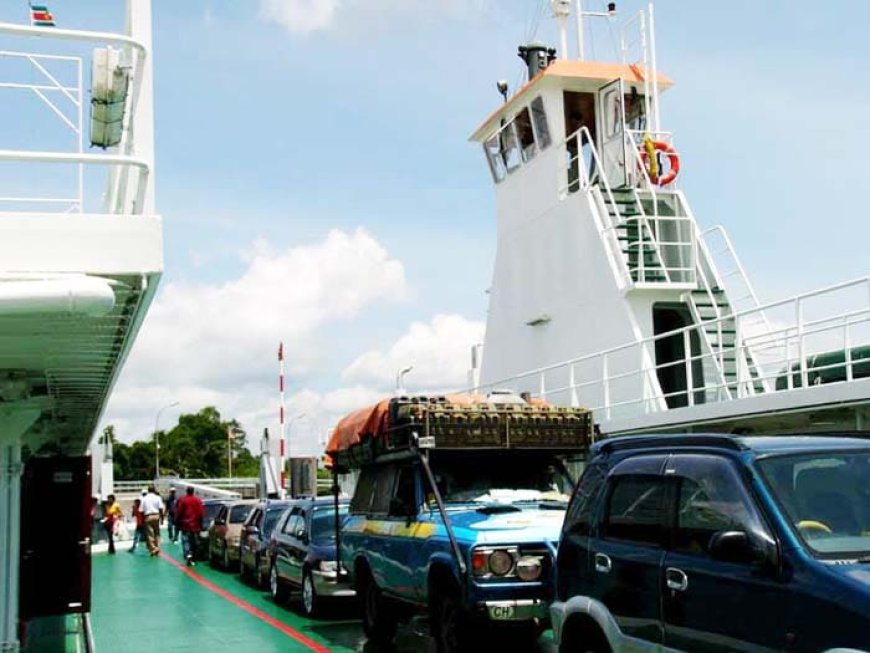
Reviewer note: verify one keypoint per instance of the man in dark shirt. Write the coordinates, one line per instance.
(189, 514)
(170, 502)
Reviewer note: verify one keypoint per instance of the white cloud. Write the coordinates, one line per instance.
(307, 16)
(300, 16)
(439, 352)
(217, 344)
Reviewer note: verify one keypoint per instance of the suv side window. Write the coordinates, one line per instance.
(578, 519)
(635, 509)
(711, 498)
(383, 491)
(364, 491)
(406, 493)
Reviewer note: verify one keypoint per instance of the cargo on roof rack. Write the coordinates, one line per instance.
(503, 421)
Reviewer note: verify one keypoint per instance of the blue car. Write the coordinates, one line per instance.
(718, 543)
(303, 554)
(466, 537)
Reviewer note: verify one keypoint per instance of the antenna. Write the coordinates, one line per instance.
(561, 11)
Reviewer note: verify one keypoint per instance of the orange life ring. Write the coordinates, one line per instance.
(673, 162)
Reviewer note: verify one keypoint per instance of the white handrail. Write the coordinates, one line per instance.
(781, 370)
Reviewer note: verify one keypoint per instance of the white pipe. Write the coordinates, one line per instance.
(580, 42)
(73, 157)
(72, 35)
(83, 295)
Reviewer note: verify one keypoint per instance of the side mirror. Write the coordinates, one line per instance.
(731, 546)
(737, 546)
(253, 530)
(302, 535)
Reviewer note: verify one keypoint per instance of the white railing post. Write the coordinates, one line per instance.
(575, 400)
(687, 349)
(605, 377)
(847, 345)
(802, 359)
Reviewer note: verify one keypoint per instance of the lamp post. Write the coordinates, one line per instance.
(232, 431)
(400, 377)
(157, 440)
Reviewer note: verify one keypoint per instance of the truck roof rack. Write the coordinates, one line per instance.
(406, 425)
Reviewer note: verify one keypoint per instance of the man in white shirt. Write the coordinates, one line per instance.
(152, 507)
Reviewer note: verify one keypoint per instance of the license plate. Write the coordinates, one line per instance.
(501, 612)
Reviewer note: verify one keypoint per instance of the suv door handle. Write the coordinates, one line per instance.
(676, 579)
(602, 563)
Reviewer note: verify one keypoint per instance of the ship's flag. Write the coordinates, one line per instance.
(40, 16)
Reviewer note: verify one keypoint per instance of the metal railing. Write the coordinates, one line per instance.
(58, 82)
(674, 256)
(819, 345)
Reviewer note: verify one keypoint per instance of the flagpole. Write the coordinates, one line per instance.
(282, 493)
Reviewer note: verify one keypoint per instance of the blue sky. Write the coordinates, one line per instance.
(303, 143)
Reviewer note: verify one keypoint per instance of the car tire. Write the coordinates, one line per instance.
(449, 623)
(244, 573)
(225, 561)
(379, 623)
(310, 602)
(587, 638)
(277, 588)
(259, 581)
(212, 558)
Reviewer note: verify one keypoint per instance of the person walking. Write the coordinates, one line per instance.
(111, 516)
(139, 519)
(170, 514)
(189, 513)
(152, 509)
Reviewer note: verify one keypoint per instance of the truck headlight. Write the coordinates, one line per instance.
(501, 562)
(529, 568)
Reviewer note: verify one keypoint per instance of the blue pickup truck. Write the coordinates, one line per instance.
(456, 515)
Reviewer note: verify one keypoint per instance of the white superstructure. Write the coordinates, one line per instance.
(607, 293)
(81, 248)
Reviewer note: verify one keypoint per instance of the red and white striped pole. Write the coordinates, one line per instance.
(283, 461)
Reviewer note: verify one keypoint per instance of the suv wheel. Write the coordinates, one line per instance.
(277, 588)
(226, 558)
(585, 639)
(310, 602)
(259, 581)
(379, 625)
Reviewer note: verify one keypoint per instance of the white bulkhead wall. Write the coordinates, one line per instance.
(552, 270)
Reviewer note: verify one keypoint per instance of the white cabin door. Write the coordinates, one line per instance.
(611, 113)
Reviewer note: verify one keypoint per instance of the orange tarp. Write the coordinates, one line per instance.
(372, 421)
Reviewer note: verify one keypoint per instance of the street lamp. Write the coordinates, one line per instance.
(157, 440)
(400, 376)
(232, 432)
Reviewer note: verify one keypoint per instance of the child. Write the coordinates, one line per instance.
(139, 531)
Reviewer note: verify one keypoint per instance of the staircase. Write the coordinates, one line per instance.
(712, 312)
(636, 237)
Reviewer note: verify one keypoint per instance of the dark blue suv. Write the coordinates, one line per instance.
(718, 543)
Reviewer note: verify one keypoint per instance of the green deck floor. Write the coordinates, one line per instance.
(142, 604)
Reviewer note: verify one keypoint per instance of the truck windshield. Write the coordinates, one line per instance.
(501, 476)
(826, 496)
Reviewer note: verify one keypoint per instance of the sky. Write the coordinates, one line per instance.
(317, 185)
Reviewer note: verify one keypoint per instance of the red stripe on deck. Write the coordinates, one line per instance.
(247, 607)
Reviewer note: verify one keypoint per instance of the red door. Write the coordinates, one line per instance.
(55, 536)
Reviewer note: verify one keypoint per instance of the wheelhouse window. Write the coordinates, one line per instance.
(518, 140)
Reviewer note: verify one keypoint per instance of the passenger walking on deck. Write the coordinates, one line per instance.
(189, 513)
(139, 532)
(112, 515)
(152, 508)
(170, 502)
